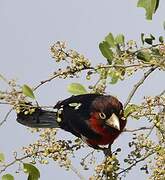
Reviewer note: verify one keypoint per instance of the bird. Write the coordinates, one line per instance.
(95, 118)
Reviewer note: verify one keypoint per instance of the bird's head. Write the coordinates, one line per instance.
(108, 112)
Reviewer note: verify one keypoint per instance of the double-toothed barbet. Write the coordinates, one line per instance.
(96, 119)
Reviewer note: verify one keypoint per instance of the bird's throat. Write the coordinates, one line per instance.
(96, 124)
(106, 136)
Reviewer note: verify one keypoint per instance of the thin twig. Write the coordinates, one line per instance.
(92, 68)
(90, 153)
(136, 162)
(136, 86)
(76, 172)
(5, 118)
(14, 161)
(138, 129)
(18, 160)
(125, 66)
(150, 131)
(60, 74)
(163, 92)
(30, 155)
(4, 103)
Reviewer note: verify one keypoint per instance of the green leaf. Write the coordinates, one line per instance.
(119, 39)
(32, 171)
(76, 89)
(157, 5)
(110, 40)
(27, 91)
(155, 51)
(161, 39)
(2, 157)
(109, 61)
(130, 109)
(150, 7)
(106, 51)
(144, 55)
(118, 49)
(114, 77)
(142, 38)
(7, 177)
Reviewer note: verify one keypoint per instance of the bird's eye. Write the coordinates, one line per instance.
(102, 115)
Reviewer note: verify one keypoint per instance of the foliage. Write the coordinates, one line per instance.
(2, 157)
(76, 88)
(7, 177)
(150, 7)
(123, 59)
(33, 172)
(27, 91)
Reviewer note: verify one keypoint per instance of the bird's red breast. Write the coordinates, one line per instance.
(107, 136)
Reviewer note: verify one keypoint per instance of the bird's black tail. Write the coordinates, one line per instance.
(38, 119)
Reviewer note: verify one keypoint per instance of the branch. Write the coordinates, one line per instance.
(84, 159)
(76, 172)
(136, 86)
(14, 161)
(4, 103)
(149, 133)
(30, 155)
(92, 68)
(7, 115)
(162, 93)
(60, 74)
(136, 162)
(125, 66)
(138, 129)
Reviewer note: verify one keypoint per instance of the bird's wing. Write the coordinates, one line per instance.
(75, 115)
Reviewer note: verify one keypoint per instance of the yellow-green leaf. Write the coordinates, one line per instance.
(76, 89)
(114, 76)
(150, 7)
(27, 91)
(32, 171)
(142, 38)
(161, 39)
(130, 109)
(114, 79)
(2, 157)
(7, 177)
(106, 51)
(119, 39)
(110, 40)
(144, 55)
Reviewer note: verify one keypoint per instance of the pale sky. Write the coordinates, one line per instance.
(28, 28)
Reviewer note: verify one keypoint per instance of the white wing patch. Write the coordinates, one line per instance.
(75, 105)
(58, 113)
